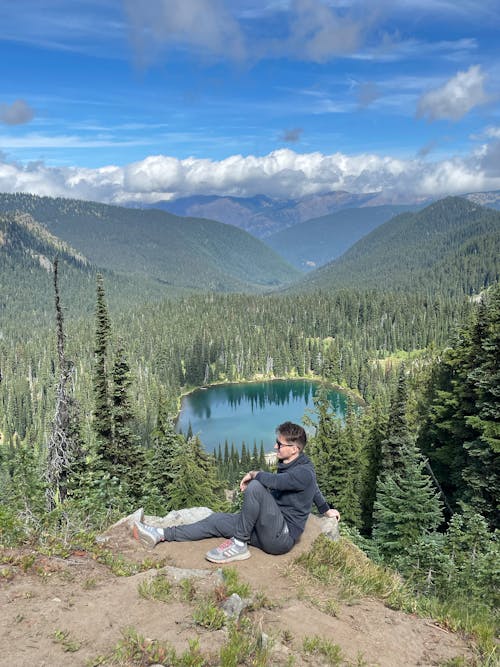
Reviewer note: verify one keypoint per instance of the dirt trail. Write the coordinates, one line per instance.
(82, 600)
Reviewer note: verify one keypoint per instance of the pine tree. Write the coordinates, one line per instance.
(335, 452)
(481, 472)
(167, 445)
(125, 453)
(195, 482)
(102, 403)
(375, 428)
(397, 427)
(407, 507)
(460, 432)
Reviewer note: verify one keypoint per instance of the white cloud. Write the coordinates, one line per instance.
(17, 113)
(36, 140)
(456, 98)
(490, 132)
(280, 174)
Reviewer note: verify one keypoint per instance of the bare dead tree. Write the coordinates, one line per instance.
(62, 445)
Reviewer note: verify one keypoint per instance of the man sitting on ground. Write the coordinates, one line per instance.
(274, 512)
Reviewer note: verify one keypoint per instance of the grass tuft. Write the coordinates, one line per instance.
(208, 615)
(157, 588)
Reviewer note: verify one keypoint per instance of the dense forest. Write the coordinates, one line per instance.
(89, 396)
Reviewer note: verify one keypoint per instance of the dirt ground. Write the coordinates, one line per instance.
(70, 611)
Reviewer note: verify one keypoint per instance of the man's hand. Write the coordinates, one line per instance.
(332, 514)
(247, 479)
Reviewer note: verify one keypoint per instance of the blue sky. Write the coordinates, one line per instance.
(125, 100)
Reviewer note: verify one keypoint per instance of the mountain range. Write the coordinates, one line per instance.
(178, 253)
(451, 246)
(263, 216)
(310, 244)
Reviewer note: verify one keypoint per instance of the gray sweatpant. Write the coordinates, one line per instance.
(260, 523)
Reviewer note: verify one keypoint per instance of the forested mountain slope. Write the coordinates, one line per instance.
(315, 242)
(451, 246)
(179, 253)
(27, 252)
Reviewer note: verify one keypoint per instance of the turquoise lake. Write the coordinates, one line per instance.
(249, 412)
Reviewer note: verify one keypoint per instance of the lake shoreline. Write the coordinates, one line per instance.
(203, 409)
(357, 398)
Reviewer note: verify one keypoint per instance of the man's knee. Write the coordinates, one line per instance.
(255, 488)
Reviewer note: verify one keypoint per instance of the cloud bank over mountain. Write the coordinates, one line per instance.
(280, 174)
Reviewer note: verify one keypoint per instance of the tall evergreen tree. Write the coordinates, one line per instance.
(124, 453)
(481, 472)
(335, 451)
(460, 432)
(196, 482)
(102, 403)
(407, 506)
(397, 427)
(167, 445)
(375, 430)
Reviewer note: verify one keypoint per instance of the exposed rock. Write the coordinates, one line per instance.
(177, 574)
(180, 517)
(234, 605)
(330, 528)
(174, 518)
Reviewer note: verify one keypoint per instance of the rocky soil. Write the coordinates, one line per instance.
(72, 611)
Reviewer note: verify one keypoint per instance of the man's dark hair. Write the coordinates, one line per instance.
(293, 433)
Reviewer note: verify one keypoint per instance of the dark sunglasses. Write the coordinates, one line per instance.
(283, 444)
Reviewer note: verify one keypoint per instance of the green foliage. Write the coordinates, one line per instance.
(407, 506)
(461, 413)
(244, 645)
(68, 644)
(451, 247)
(232, 583)
(11, 528)
(102, 409)
(330, 652)
(461, 564)
(196, 481)
(336, 452)
(208, 615)
(157, 588)
(166, 446)
(398, 434)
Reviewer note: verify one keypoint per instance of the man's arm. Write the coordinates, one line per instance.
(285, 481)
(247, 479)
(323, 506)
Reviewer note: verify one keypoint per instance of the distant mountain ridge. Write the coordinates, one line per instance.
(262, 216)
(310, 244)
(177, 253)
(490, 199)
(451, 246)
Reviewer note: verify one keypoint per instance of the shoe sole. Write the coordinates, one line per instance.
(229, 559)
(145, 540)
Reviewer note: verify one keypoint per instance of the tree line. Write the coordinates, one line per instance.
(414, 474)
